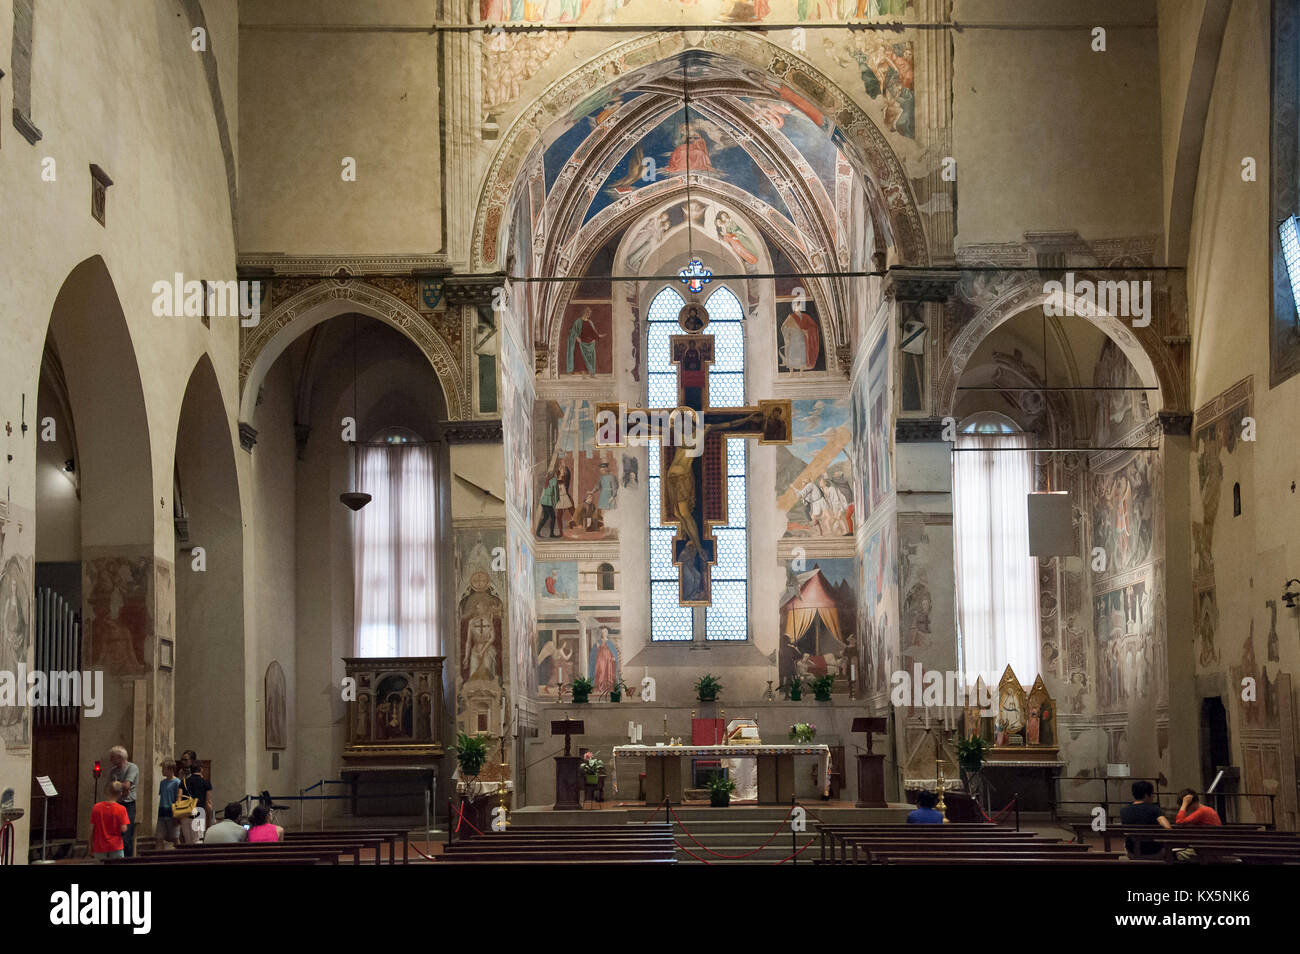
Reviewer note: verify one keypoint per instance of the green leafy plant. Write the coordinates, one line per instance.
(719, 784)
(582, 685)
(471, 753)
(617, 690)
(971, 751)
(720, 789)
(708, 688)
(822, 685)
(795, 686)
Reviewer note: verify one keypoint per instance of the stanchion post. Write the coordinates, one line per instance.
(322, 805)
(1016, 796)
(794, 839)
(301, 802)
(428, 829)
(668, 810)
(451, 829)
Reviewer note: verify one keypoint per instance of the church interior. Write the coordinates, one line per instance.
(468, 417)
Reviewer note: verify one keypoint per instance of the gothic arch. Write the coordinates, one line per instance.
(1154, 365)
(329, 298)
(618, 218)
(883, 174)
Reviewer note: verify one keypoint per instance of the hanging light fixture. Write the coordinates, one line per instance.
(354, 499)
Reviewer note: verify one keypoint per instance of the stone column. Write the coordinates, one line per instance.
(1184, 715)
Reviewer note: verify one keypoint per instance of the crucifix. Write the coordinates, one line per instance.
(692, 439)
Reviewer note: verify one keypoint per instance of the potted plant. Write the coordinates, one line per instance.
(822, 688)
(796, 688)
(720, 789)
(708, 688)
(803, 732)
(616, 693)
(471, 754)
(582, 687)
(591, 767)
(970, 757)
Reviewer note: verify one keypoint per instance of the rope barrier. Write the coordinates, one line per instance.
(997, 819)
(654, 814)
(806, 846)
(461, 818)
(420, 853)
(779, 829)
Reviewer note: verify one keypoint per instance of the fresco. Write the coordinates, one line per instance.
(819, 622)
(814, 474)
(684, 11)
(886, 66)
(586, 339)
(1118, 412)
(577, 484)
(481, 630)
(118, 618)
(1123, 508)
(878, 608)
(16, 622)
(669, 149)
(517, 425)
(1124, 622)
(871, 424)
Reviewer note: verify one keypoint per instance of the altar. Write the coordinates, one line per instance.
(663, 767)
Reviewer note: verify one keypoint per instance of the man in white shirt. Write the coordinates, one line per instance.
(230, 831)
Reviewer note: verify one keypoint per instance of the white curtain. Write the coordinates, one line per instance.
(997, 585)
(393, 552)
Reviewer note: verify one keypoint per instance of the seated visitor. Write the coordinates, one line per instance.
(229, 831)
(1192, 812)
(1142, 811)
(261, 828)
(925, 813)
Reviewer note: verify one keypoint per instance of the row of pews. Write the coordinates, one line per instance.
(355, 846)
(1232, 844)
(567, 844)
(952, 844)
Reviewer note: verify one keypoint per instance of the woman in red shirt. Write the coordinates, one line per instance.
(1191, 812)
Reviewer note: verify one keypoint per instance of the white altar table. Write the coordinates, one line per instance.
(663, 767)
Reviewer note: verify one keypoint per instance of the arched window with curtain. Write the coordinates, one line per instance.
(997, 581)
(393, 543)
(728, 617)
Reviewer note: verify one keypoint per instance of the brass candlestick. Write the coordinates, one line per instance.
(939, 788)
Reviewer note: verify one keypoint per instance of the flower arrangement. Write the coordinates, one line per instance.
(591, 765)
(803, 732)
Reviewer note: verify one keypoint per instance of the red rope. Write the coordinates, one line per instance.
(797, 853)
(654, 814)
(719, 854)
(997, 820)
(420, 853)
(462, 818)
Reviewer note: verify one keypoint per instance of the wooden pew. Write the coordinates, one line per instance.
(1020, 858)
(388, 834)
(577, 855)
(869, 847)
(1199, 832)
(829, 833)
(1083, 829)
(355, 847)
(167, 857)
(607, 845)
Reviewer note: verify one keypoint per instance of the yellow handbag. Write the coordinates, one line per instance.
(185, 806)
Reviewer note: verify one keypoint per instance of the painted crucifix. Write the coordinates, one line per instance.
(692, 439)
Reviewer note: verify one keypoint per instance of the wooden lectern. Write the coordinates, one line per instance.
(871, 765)
(568, 787)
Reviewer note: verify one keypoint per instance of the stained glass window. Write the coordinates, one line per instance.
(728, 617)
